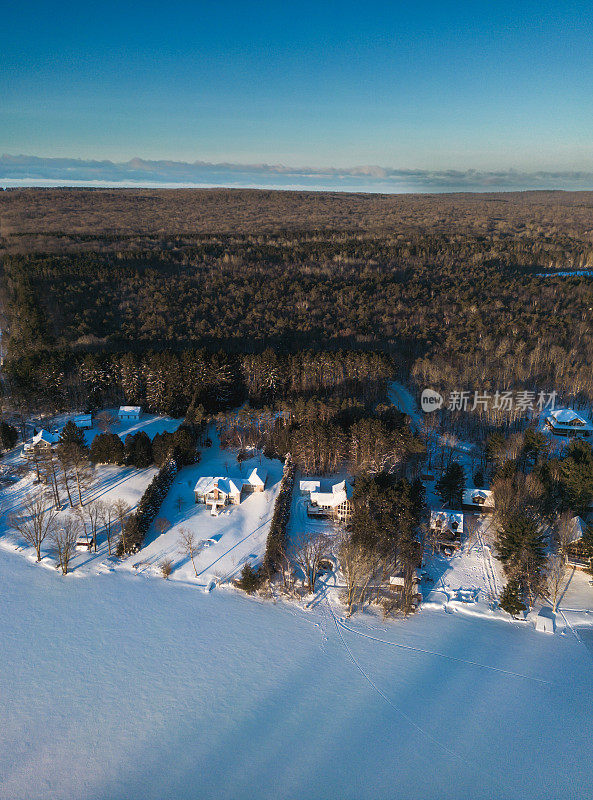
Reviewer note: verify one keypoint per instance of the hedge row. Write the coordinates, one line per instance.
(276, 543)
(139, 522)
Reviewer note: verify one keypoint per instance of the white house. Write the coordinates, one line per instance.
(256, 480)
(480, 501)
(129, 413)
(220, 491)
(566, 422)
(448, 527)
(42, 439)
(337, 503)
(84, 421)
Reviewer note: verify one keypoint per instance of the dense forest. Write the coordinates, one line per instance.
(99, 285)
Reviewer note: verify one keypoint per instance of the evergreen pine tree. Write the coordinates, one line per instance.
(8, 436)
(511, 598)
(520, 545)
(250, 580)
(450, 486)
(142, 456)
(72, 435)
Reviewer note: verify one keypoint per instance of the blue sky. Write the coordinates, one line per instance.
(481, 85)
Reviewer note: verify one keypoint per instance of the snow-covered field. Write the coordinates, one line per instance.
(108, 483)
(123, 685)
(234, 537)
(237, 535)
(127, 687)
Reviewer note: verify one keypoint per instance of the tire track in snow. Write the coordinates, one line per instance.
(216, 560)
(488, 568)
(443, 655)
(382, 694)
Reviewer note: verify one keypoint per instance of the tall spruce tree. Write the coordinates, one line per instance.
(450, 486)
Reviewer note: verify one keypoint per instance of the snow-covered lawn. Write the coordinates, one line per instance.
(125, 687)
(237, 535)
(472, 579)
(108, 483)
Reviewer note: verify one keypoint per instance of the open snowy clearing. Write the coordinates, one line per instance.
(236, 536)
(122, 686)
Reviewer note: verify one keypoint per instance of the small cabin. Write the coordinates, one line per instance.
(566, 422)
(480, 501)
(83, 421)
(42, 439)
(129, 413)
(86, 545)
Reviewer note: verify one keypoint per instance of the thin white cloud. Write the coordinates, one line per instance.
(24, 170)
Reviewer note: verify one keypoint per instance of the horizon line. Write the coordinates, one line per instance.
(28, 171)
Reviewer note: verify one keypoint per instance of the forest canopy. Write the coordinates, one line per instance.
(455, 290)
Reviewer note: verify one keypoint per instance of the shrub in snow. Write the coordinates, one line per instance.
(250, 580)
(166, 567)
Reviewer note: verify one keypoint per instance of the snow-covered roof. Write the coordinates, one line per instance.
(482, 497)
(309, 485)
(446, 519)
(42, 437)
(257, 477)
(204, 485)
(343, 487)
(339, 494)
(82, 419)
(130, 410)
(566, 416)
(324, 499)
(226, 486)
(576, 530)
(399, 580)
(45, 437)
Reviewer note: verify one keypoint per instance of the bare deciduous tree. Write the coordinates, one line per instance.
(555, 575)
(36, 523)
(107, 515)
(308, 551)
(50, 466)
(121, 510)
(556, 567)
(64, 538)
(93, 512)
(189, 546)
(162, 524)
(359, 567)
(104, 421)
